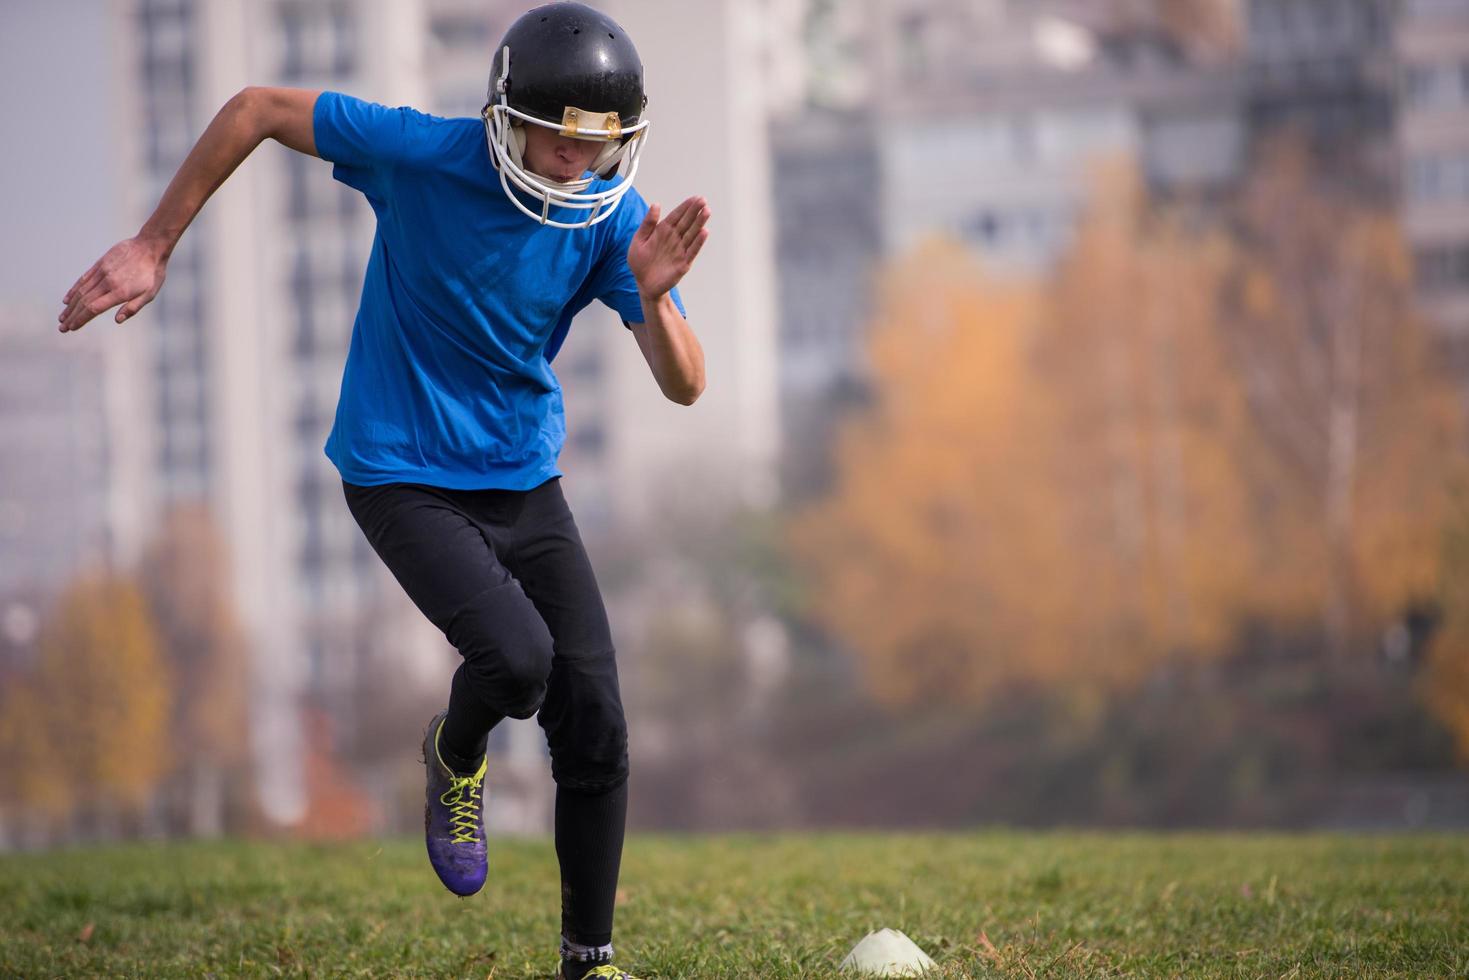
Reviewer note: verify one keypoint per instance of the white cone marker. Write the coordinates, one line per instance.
(888, 953)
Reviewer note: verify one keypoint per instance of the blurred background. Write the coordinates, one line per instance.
(1084, 441)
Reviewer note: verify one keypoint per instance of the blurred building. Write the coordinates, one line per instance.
(54, 463)
(1432, 47)
(980, 122)
(826, 186)
(1327, 70)
(235, 366)
(460, 38)
(1001, 153)
(1382, 88)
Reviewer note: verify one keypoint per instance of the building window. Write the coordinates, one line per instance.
(311, 425)
(1441, 177)
(316, 41)
(312, 547)
(305, 345)
(462, 30)
(345, 37)
(1438, 86)
(913, 53)
(1443, 268)
(984, 227)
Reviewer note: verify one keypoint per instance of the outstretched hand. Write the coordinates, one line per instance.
(131, 273)
(662, 251)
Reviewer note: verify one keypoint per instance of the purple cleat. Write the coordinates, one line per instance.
(454, 818)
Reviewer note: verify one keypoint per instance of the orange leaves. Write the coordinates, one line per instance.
(1445, 682)
(1074, 482)
(1149, 433)
(136, 679)
(89, 724)
(1045, 491)
(1359, 433)
(926, 556)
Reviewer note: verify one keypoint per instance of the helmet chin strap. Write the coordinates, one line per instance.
(505, 134)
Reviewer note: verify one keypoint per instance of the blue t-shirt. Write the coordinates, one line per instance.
(466, 300)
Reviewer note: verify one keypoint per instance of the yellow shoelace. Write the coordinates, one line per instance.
(462, 799)
(610, 973)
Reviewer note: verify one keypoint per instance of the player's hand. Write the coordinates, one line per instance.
(662, 251)
(131, 273)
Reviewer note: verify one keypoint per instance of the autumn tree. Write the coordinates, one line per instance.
(29, 788)
(1359, 430)
(1180, 431)
(906, 563)
(88, 725)
(1150, 433)
(1445, 681)
(185, 574)
(1043, 492)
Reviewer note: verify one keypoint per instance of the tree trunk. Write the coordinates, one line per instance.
(1341, 467)
(206, 800)
(1172, 515)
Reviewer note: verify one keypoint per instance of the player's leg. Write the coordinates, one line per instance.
(443, 553)
(583, 719)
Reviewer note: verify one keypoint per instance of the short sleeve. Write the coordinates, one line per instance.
(365, 140)
(614, 284)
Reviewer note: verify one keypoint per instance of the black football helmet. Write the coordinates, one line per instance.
(573, 69)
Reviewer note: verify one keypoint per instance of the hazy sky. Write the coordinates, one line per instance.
(57, 184)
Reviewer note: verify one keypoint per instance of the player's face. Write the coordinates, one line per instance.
(560, 158)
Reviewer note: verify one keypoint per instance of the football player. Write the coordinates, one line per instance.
(492, 234)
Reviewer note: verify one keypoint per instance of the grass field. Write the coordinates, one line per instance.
(993, 904)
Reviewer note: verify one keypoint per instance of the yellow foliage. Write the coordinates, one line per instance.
(1045, 491)
(1070, 485)
(1445, 679)
(910, 572)
(1360, 433)
(1152, 436)
(98, 705)
(24, 743)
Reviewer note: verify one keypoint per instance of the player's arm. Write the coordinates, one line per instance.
(660, 254)
(132, 271)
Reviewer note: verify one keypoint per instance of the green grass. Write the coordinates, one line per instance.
(1082, 905)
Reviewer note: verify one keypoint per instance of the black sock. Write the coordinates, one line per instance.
(467, 727)
(589, 832)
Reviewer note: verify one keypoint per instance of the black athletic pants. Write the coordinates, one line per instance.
(504, 575)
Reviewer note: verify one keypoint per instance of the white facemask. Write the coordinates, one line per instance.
(506, 137)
